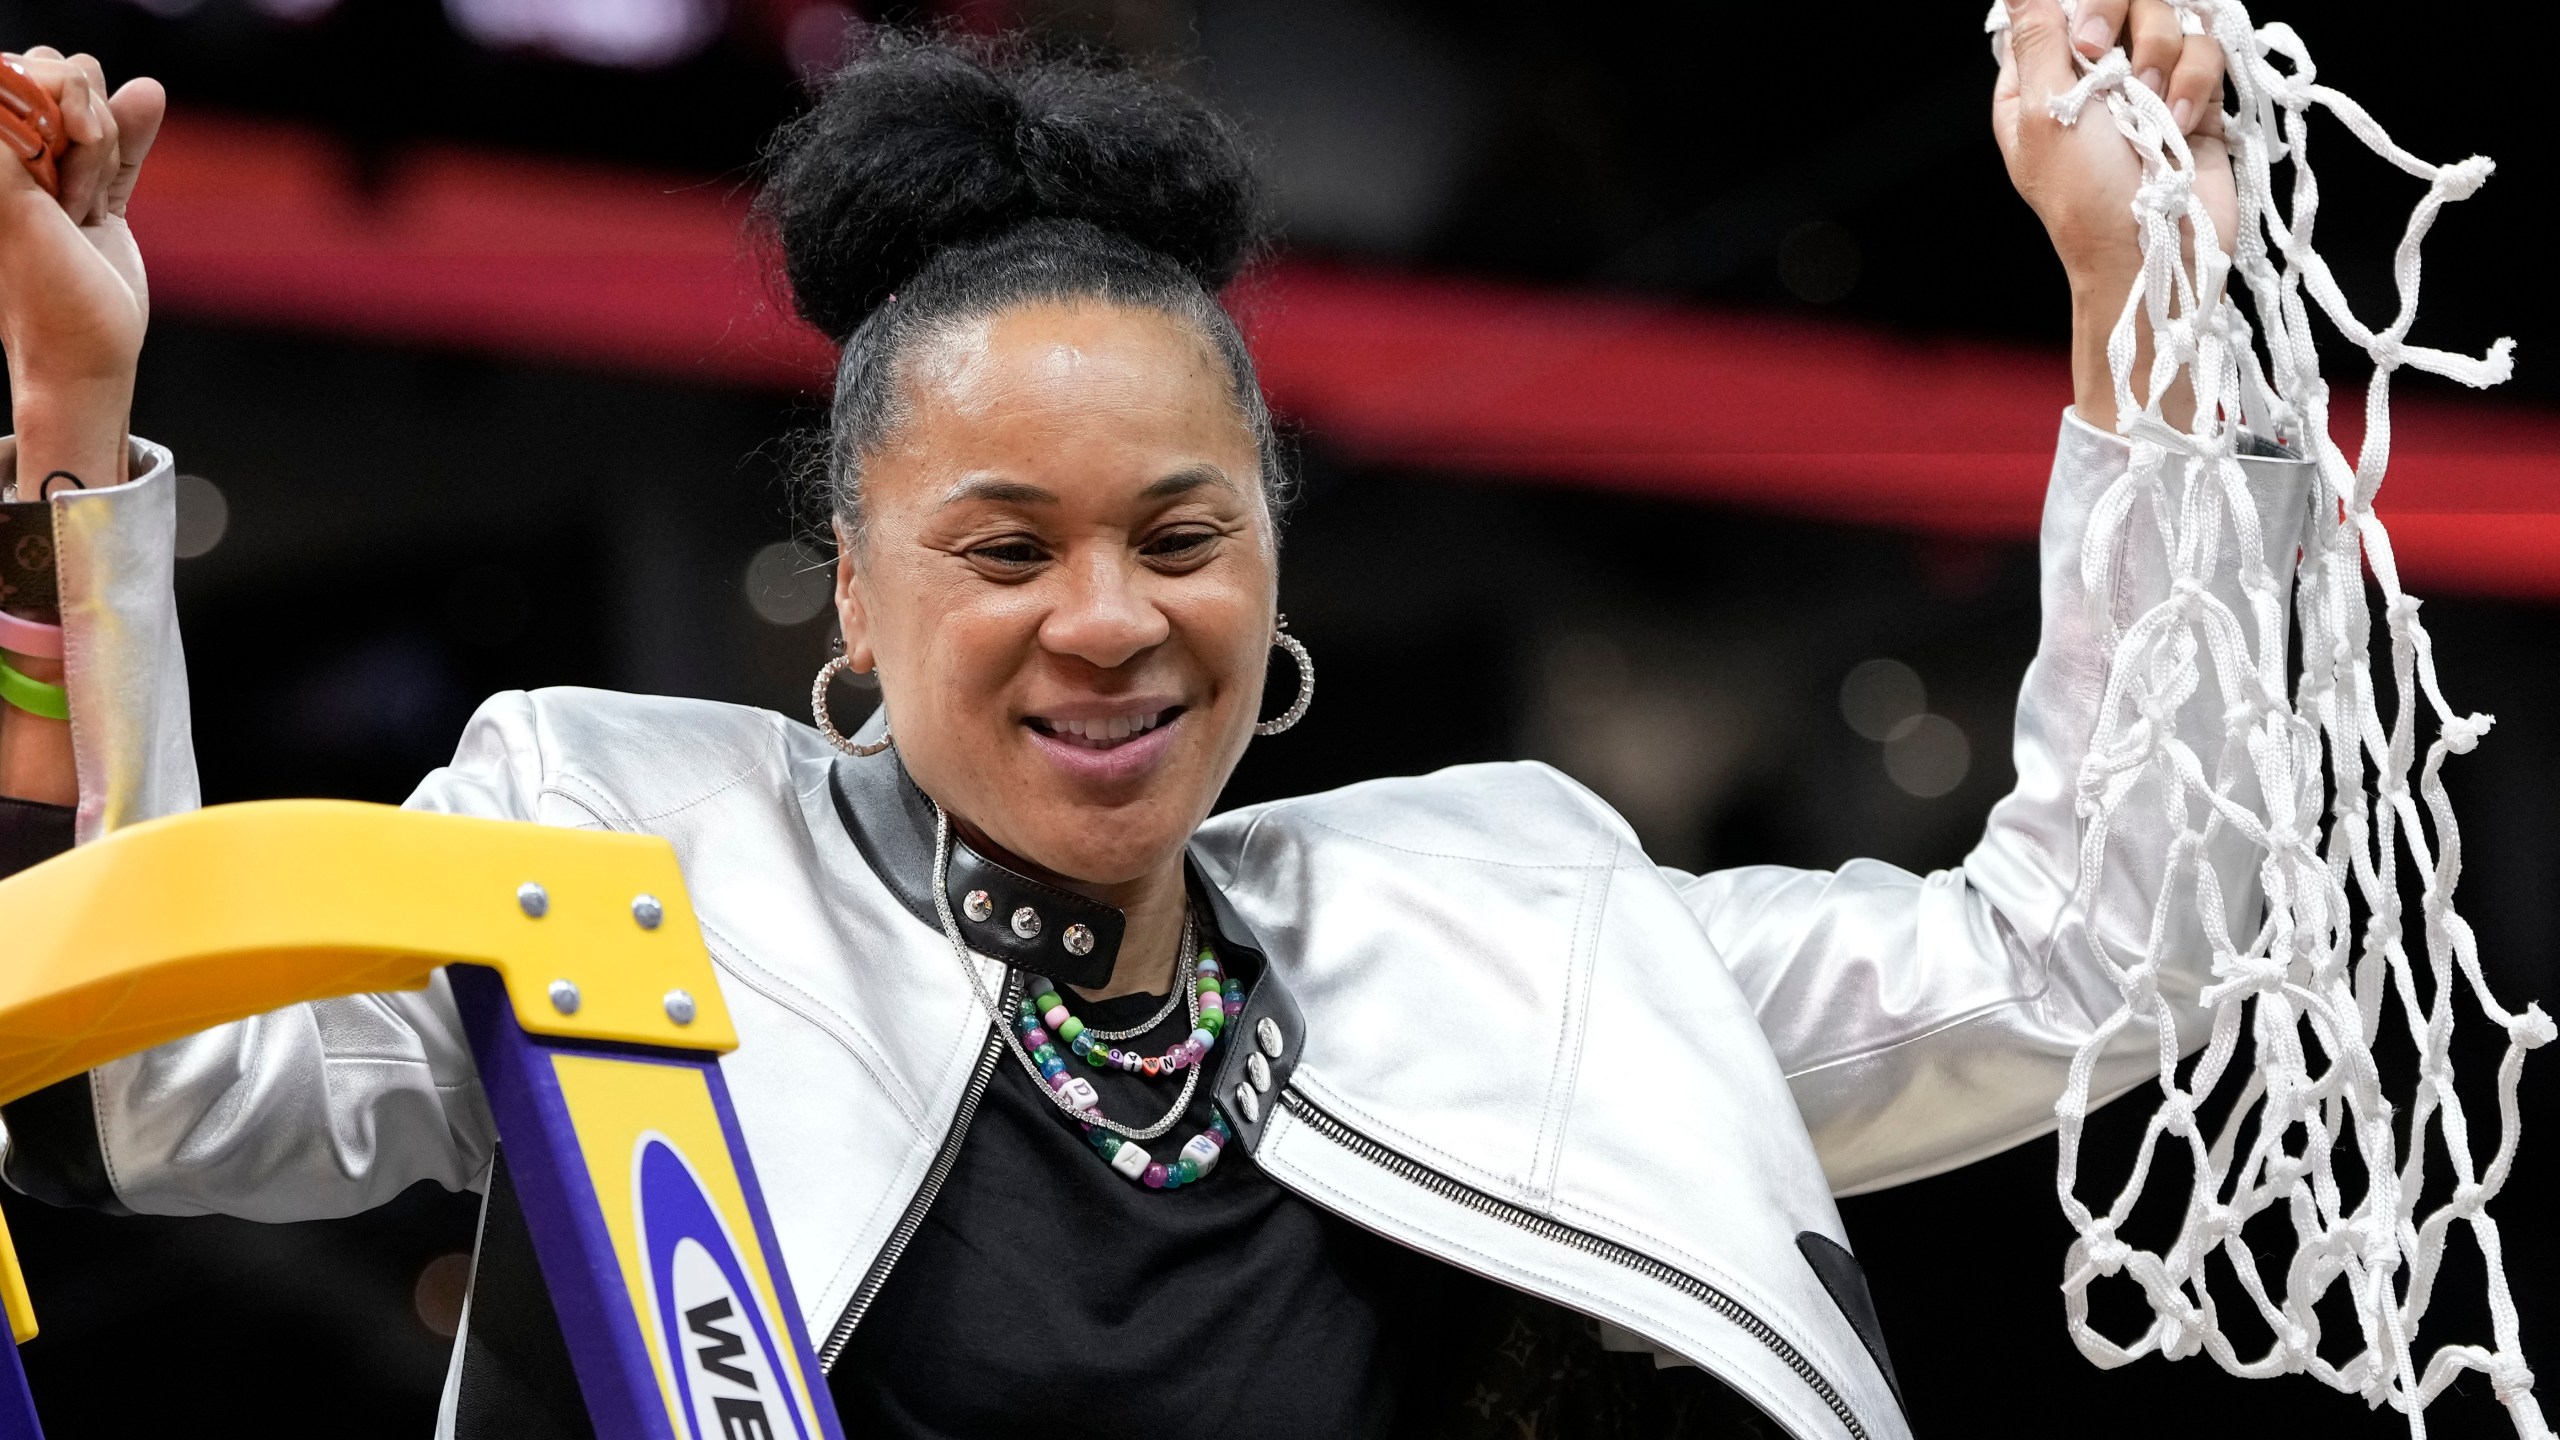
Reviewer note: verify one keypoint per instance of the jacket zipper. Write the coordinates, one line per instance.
(943, 1160)
(1459, 1192)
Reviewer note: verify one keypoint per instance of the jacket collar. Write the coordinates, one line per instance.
(1002, 913)
(891, 822)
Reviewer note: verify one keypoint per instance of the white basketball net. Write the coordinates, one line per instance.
(2313, 987)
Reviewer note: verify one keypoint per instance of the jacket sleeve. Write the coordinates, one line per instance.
(335, 1106)
(115, 558)
(1928, 1021)
(317, 1110)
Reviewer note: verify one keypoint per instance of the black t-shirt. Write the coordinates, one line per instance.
(1043, 1291)
(1043, 1287)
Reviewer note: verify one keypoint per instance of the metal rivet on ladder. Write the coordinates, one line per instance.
(680, 1007)
(564, 997)
(647, 910)
(533, 900)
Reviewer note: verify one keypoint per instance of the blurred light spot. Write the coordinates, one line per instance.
(1880, 695)
(204, 516)
(820, 38)
(1661, 726)
(487, 605)
(437, 1297)
(1819, 262)
(787, 585)
(169, 9)
(633, 33)
(1927, 756)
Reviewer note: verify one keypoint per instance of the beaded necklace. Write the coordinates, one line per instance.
(1198, 981)
(1210, 997)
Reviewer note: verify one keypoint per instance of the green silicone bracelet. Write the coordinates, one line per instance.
(33, 696)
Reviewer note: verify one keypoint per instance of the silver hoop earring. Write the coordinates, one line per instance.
(826, 723)
(1297, 711)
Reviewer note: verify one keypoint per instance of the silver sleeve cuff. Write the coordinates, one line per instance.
(122, 660)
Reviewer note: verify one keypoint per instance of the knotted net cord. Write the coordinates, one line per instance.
(2312, 988)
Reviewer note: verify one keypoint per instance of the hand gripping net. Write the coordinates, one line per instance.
(2313, 988)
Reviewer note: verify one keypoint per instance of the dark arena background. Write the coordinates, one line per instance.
(1672, 386)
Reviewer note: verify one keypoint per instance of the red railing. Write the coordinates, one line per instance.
(586, 265)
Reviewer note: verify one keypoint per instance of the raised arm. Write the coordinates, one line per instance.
(1925, 1021)
(319, 1109)
(73, 309)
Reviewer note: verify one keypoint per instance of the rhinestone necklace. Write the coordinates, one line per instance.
(1201, 980)
(1072, 1094)
(1181, 982)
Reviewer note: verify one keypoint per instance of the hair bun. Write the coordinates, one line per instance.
(924, 144)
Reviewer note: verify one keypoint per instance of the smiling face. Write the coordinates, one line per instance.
(1066, 583)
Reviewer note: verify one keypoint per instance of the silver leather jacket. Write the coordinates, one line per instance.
(1662, 1081)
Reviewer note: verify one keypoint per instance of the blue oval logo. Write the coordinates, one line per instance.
(732, 1378)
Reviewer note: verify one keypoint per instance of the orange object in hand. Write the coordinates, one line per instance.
(30, 124)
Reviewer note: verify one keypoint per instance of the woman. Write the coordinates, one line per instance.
(1426, 1106)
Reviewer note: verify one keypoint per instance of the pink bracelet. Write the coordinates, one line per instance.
(27, 637)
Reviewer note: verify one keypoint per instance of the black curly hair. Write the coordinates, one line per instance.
(940, 179)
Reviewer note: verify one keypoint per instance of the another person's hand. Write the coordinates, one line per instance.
(73, 305)
(2081, 179)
